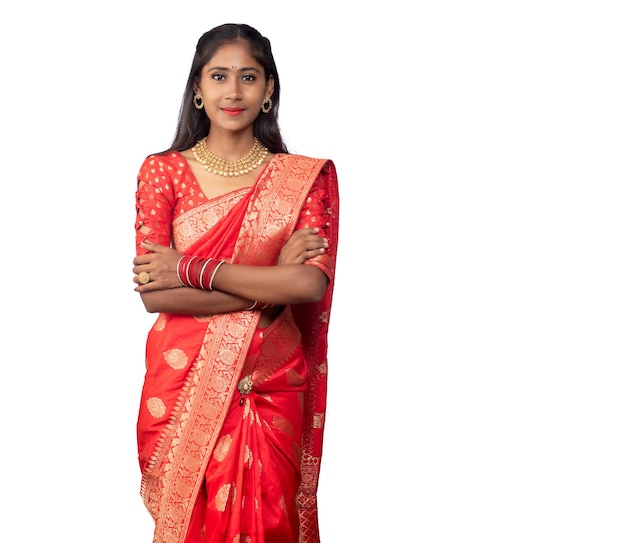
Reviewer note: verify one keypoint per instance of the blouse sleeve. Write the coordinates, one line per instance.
(317, 213)
(154, 204)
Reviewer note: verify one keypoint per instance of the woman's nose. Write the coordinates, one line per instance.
(234, 92)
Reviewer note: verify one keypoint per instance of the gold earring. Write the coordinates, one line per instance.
(197, 101)
(266, 105)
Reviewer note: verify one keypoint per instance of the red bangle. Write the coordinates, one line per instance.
(196, 272)
(184, 269)
(200, 274)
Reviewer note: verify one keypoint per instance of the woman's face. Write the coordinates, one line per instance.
(233, 87)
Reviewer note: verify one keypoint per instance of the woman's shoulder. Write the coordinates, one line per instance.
(163, 163)
(163, 157)
(163, 171)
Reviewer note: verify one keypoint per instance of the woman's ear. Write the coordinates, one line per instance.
(269, 87)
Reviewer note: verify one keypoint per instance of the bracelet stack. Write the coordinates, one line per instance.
(196, 272)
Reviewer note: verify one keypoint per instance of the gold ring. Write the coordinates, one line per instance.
(144, 277)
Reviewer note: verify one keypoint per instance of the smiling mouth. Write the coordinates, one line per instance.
(232, 110)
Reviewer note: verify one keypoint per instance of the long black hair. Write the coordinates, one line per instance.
(193, 124)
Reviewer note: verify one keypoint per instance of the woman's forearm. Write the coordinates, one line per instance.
(190, 301)
(278, 285)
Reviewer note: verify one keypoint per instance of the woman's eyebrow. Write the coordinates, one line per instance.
(244, 69)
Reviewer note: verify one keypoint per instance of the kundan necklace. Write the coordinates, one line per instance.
(212, 163)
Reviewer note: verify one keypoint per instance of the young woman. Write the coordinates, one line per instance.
(236, 248)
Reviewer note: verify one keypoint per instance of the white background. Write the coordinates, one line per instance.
(477, 339)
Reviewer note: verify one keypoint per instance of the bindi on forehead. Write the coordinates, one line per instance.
(233, 67)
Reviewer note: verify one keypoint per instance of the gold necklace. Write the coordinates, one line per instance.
(214, 164)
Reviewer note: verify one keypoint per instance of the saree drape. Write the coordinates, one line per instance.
(220, 463)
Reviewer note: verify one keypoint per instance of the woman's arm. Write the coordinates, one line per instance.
(278, 285)
(288, 282)
(190, 301)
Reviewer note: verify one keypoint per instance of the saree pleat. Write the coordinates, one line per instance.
(252, 477)
(219, 465)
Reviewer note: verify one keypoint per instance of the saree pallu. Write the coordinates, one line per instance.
(220, 464)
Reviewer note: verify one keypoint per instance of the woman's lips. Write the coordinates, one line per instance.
(232, 110)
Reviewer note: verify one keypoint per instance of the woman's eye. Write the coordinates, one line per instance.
(249, 77)
(218, 77)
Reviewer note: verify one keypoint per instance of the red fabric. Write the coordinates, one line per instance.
(216, 468)
(253, 475)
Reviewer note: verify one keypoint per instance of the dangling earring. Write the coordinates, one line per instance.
(266, 105)
(197, 101)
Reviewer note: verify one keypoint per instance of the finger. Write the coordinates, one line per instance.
(314, 252)
(143, 277)
(316, 242)
(140, 268)
(145, 287)
(306, 231)
(138, 282)
(152, 247)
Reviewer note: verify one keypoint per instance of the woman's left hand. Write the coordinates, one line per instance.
(159, 264)
(302, 245)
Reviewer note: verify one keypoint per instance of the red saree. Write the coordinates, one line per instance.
(219, 464)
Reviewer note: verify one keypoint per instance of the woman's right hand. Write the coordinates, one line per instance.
(160, 262)
(302, 245)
